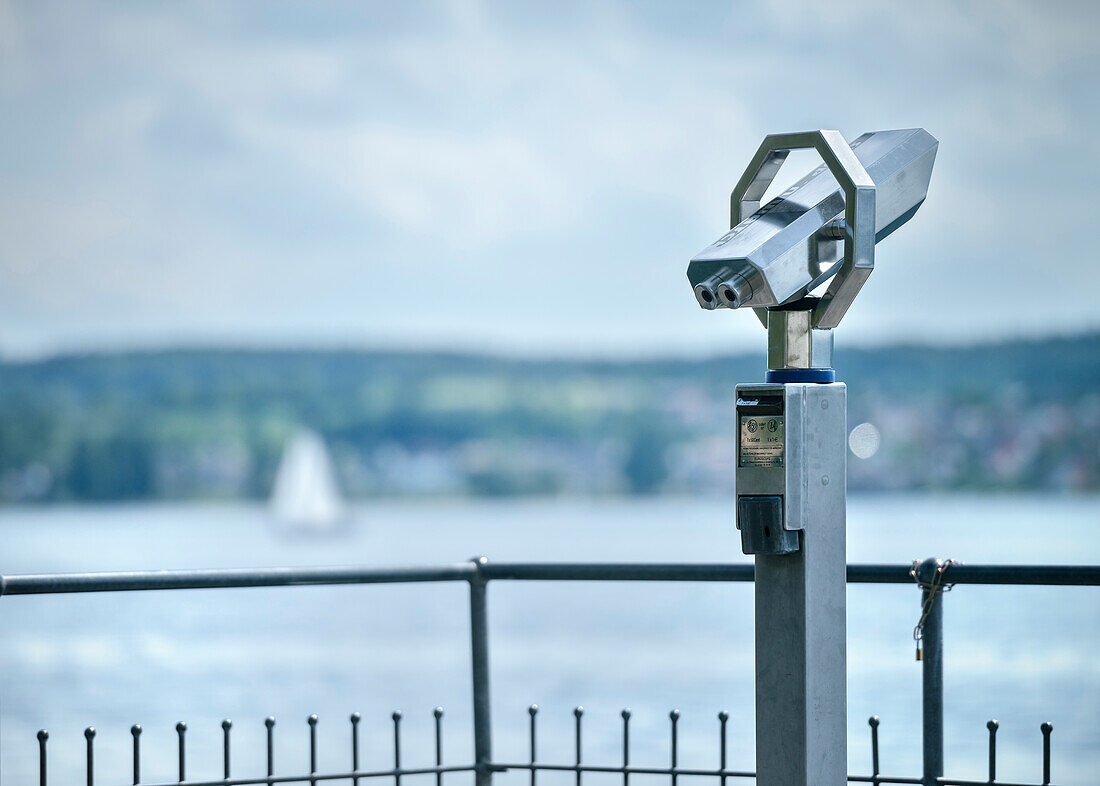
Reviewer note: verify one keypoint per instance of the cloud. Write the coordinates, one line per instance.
(300, 171)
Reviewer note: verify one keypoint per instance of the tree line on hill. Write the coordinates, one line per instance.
(201, 423)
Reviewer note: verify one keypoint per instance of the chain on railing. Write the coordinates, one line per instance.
(932, 586)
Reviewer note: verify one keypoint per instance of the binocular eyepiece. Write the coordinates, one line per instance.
(724, 289)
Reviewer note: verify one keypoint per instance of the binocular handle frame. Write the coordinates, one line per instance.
(859, 211)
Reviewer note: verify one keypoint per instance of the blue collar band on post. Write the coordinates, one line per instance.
(782, 375)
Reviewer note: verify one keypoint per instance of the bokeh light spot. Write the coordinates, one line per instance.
(864, 440)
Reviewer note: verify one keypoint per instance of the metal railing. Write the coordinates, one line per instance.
(932, 575)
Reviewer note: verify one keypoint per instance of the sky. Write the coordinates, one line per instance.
(521, 178)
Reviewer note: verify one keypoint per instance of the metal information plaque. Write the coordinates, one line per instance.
(761, 441)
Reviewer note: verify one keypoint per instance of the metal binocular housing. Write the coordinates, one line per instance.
(774, 256)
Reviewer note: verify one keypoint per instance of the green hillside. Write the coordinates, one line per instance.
(212, 423)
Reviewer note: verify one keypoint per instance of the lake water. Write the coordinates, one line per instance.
(1023, 655)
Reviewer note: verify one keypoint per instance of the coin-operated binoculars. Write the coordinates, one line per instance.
(791, 430)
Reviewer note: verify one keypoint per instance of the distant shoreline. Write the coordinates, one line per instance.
(213, 424)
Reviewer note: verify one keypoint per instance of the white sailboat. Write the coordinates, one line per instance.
(306, 496)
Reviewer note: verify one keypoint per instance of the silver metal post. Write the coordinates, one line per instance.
(479, 662)
(932, 688)
(801, 703)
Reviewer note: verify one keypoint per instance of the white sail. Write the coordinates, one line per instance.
(306, 495)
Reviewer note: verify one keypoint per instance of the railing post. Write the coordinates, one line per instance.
(932, 682)
(89, 735)
(44, 735)
(269, 723)
(135, 731)
(873, 722)
(181, 730)
(479, 663)
(1046, 728)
